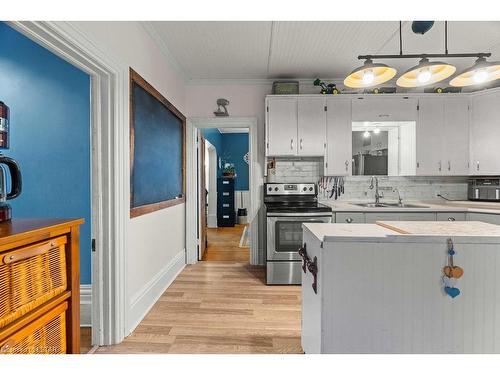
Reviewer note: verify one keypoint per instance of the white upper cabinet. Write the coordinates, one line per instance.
(430, 126)
(485, 134)
(384, 108)
(456, 136)
(281, 126)
(443, 136)
(338, 160)
(311, 126)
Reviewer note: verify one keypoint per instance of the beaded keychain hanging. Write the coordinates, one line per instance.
(451, 273)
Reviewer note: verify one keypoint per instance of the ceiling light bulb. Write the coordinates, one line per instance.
(424, 75)
(366, 134)
(480, 76)
(368, 77)
(376, 130)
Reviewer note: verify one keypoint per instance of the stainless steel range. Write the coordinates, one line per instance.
(288, 205)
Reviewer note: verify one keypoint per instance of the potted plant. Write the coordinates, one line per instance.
(228, 170)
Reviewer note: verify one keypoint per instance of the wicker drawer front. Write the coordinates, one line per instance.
(31, 276)
(46, 335)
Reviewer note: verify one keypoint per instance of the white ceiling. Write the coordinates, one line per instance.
(289, 49)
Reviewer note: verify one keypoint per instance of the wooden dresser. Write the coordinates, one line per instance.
(40, 286)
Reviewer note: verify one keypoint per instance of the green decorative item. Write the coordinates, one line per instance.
(330, 89)
(228, 170)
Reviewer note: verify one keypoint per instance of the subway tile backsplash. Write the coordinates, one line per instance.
(356, 187)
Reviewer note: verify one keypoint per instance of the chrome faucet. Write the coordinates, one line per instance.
(372, 185)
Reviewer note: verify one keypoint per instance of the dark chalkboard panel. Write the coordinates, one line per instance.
(157, 149)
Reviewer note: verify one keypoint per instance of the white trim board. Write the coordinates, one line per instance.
(110, 201)
(150, 294)
(85, 305)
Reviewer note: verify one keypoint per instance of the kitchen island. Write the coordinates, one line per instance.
(379, 288)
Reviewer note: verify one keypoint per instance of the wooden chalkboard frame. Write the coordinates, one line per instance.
(145, 209)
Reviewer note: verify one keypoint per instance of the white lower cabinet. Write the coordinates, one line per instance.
(372, 217)
(350, 217)
(451, 216)
(487, 218)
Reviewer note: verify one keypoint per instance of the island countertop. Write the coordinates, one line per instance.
(327, 232)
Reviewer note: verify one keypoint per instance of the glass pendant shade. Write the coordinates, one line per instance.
(369, 74)
(481, 72)
(426, 73)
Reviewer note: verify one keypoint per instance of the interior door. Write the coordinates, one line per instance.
(202, 198)
(311, 126)
(281, 126)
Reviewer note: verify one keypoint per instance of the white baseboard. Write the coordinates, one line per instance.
(85, 305)
(144, 300)
(212, 221)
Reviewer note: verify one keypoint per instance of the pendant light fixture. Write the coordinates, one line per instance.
(426, 72)
(369, 74)
(481, 72)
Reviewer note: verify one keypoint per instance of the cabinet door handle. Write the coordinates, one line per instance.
(439, 166)
(347, 165)
(449, 165)
(291, 144)
(477, 165)
(349, 220)
(301, 143)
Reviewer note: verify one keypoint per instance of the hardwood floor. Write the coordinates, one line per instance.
(219, 307)
(223, 244)
(85, 339)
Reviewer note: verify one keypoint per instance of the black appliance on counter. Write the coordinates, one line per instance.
(226, 216)
(484, 189)
(288, 206)
(12, 167)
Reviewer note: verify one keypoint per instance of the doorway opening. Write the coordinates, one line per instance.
(201, 216)
(223, 194)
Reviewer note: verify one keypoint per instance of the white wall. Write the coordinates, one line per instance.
(246, 100)
(155, 248)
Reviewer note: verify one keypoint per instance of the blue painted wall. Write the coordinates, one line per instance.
(49, 100)
(230, 147)
(234, 147)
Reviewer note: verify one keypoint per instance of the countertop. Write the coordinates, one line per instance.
(475, 230)
(431, 206)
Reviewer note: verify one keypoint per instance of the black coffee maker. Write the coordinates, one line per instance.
(9, 164)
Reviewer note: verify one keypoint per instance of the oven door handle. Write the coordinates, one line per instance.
(302, 215)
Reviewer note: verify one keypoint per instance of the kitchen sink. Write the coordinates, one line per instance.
(389, 205)
(404, 205)
(371, 204)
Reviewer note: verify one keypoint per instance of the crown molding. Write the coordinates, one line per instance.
(151, 30)
(256, 81)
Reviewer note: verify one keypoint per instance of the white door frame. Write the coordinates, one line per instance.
(193, 124)
(211, 183)
(110, 168)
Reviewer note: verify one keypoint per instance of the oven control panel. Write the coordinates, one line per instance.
(290, 189)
